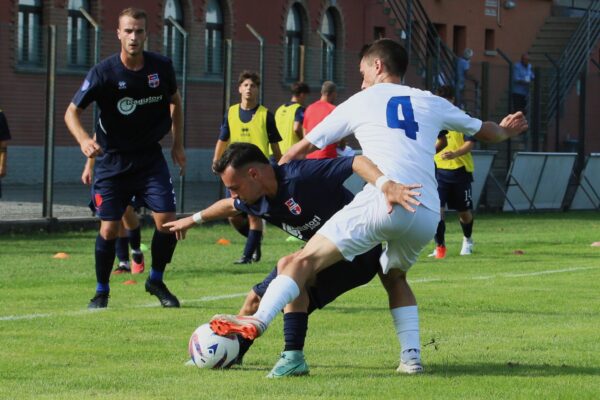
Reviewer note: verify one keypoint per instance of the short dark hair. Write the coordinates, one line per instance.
(246, 74)
(446, 91)
(328, 87)
(391, 53)
(135, 13)
(298, 88)
(239, 154)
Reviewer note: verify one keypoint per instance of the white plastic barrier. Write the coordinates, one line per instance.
(587, 195)
(538, 181)
(482, 160)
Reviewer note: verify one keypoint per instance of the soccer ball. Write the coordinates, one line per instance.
(209, 350)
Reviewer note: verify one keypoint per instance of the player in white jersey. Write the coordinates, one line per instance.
(397, 127)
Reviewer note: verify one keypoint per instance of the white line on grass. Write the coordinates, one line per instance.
(84, 312)
(234, 295)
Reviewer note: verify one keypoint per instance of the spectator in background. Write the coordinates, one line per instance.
(290, 116)
(316, 112)
(522, 77)
(462, 66)
(4, 138)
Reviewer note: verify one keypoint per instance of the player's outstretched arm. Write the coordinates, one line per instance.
(88, 146)
(298, 151)
(395, 193)
(177, 151)
(222, 209)
(511, 126)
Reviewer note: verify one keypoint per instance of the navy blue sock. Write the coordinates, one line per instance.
(122, 248)
(163, 247)
(440, 234)
(156, 275)
(295, 325)
(467, 228)
(135, 238)
(105, 257)
(102, 287)
(244, 346)
(252, 242)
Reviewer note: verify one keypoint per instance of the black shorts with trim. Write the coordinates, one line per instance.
(456, 195)
(335, 280)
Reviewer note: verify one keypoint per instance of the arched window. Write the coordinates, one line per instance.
(213, 38)
(328, 29)
(29, 38)
(78, 33)
(293, 41)
(172, 38)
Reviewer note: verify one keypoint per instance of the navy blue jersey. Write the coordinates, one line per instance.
(309, 192)
(246, 116)
(4, 131)
(134, 105)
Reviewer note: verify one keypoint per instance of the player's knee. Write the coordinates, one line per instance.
(109, 232)
(297, 264)
(393, 280)
(284, 262)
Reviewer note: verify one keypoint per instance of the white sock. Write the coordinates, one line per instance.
(280, 292)
(406, 322)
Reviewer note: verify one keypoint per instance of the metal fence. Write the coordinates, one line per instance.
(38, 81)
(45, 164)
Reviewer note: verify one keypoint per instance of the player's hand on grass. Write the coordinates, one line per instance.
(515, 123)
(90, 148)
(404, 195)
(180, 226)
(178, 156)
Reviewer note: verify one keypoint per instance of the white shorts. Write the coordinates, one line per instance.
(365, 223)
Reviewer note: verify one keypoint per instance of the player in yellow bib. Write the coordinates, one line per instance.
(249, 122)
(454, 174)
(289, 117)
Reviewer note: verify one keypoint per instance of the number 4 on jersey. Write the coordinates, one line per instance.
(408, 124)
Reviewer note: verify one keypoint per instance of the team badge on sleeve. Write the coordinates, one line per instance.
(293, 206)
(153, 80)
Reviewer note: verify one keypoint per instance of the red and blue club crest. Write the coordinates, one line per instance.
(293, 206)
(153, 80)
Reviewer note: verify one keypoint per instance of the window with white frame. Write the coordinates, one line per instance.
(328, 30)
(29, 35)
(213, 38)
(293, 41)
(172, 38)
(78, 34)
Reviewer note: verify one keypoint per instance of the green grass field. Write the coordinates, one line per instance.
(493, 325)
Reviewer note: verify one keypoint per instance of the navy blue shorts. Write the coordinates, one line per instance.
(335, 280)
(151, 186)
(456, 195)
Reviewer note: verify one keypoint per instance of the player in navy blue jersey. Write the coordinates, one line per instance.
(136, 93)
(298, 197)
